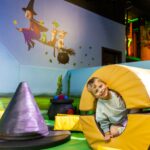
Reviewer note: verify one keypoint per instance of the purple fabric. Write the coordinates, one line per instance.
(29, 35)
(22, 116)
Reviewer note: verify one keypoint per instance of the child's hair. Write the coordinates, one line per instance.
(91, 81)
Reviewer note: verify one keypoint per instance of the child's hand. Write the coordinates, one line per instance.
(116, 130)
(107, 137)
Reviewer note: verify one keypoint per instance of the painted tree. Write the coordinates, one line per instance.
(59, 85)
(69, 79)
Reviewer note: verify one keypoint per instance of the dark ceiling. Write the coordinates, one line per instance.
(140, 8)
(116, 9)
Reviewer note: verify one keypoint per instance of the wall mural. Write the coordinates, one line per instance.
(56, 34)
(37, 32)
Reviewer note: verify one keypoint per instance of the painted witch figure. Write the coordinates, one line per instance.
(33, 32)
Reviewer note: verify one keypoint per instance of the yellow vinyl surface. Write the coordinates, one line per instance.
(67, 122)
(133, 84)
(136, 135)
(126, 81)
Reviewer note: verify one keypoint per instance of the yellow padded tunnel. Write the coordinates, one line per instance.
(133, 84)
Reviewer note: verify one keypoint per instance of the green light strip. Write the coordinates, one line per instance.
(136, 29)
(133, 58)
(133, 20)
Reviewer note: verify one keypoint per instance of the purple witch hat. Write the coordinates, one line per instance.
(22, 118)
(22, 121)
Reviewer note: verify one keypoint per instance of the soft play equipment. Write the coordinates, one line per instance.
(67, 122)
(133, 84)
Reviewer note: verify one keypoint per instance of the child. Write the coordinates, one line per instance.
(110, 112)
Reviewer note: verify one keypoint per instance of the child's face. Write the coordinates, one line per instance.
(100, 89)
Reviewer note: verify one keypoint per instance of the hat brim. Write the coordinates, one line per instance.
(24, 9)
(52, 139)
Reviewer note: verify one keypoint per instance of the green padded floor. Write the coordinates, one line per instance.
(77, 141)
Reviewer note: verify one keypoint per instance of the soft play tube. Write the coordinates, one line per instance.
(133, 84)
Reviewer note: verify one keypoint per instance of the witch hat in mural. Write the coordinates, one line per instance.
(30, 7)
(22, 125)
